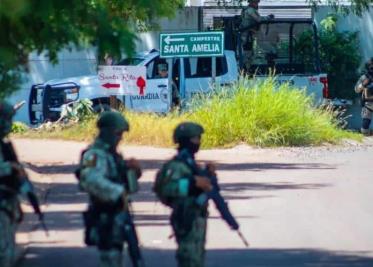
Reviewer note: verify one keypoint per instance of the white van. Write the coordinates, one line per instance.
(191, 76)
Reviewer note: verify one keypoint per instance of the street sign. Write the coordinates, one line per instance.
(194, 44)
(122, 80)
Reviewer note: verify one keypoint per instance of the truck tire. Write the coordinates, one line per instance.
(103, 104)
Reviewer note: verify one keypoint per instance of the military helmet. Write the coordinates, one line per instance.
(113, 120)
(187, 130)
(6, 111)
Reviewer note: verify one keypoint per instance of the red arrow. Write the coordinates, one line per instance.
(110, 85)
(141, 83)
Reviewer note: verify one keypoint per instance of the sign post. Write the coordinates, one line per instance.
(122, 80)
(193, 44)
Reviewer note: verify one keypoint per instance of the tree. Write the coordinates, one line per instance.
(50, 25)
(356, 6)
(339, 54)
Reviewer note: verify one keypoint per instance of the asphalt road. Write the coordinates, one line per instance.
(297, 207)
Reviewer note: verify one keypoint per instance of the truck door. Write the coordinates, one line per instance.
(157, 95)
(198, 74)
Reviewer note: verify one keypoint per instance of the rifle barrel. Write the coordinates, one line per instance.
(243, 238)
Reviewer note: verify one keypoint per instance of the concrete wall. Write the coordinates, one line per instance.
(186, 20)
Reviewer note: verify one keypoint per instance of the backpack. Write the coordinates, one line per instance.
(162, 178)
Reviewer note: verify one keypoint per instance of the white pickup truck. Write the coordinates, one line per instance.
(191, 75)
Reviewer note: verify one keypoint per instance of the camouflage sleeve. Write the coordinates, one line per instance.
(94, 177)
(178, 182)
(253, 14)
(359, 85)
(5, 168)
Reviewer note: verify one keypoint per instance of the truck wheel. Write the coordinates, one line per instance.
(103, 104)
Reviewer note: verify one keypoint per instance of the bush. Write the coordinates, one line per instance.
(263, 114)
(339, 55)
(19, 127)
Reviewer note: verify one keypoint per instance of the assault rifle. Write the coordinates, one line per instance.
(130, 234)
(214, 194)
(132, 240)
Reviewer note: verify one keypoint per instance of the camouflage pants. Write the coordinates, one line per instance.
(7, 240)
(366, 114)
(111, 258)
(247, 49)
(191, 247)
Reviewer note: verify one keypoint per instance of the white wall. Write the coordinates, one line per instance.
(186, 20)
(71, 63)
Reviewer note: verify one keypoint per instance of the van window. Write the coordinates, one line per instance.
(202, 67)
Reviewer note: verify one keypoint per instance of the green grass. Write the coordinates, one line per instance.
(253, 113)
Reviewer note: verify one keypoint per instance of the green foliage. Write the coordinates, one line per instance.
(339, 54)
(19, 127)
(50, 25)
(263, 114)
(355, 6)
(256, 113)
(78, 111)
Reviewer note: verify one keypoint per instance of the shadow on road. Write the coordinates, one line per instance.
(156, 164)
(88, 257)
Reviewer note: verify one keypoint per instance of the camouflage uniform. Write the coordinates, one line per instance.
(10, 212)
(365, 86)
(104, 175)
(250, 19)
(176, 187)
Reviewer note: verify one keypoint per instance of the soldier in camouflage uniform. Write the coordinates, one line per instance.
(178, 186)
(250, 20)
(109, 179)
(364, 86)
(13, 184)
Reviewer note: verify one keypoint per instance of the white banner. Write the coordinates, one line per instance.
(122, 80)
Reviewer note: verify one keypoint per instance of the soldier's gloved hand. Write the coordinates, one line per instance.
(271, 16)
(135, 165)
(203, 183)
(18, 170)
(211, 169)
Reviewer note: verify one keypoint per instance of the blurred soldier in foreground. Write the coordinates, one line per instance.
(13, 184)
(364, 86)
(186, 187)
(109, 180)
